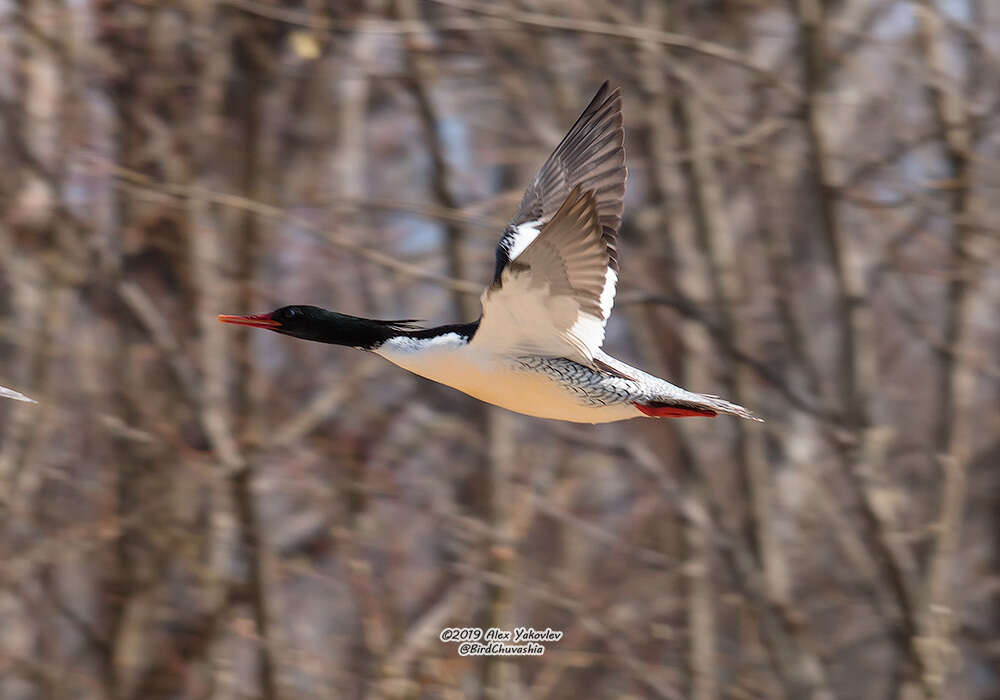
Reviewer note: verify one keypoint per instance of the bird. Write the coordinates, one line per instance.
(16, 395)
(536, 347)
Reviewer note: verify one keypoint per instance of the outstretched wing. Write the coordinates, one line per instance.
(555, 297)
(590, 155)
(568, 219)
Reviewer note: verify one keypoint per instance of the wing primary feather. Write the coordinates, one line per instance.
(591, 155)
(557, 261)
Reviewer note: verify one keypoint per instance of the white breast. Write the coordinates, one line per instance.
(492, 378)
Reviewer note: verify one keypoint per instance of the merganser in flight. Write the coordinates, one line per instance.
(536, 348)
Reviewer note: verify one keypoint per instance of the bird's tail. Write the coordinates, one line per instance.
(695, 405)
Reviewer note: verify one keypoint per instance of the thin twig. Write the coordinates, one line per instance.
(633, 33)
(956, 382)
(858, 369)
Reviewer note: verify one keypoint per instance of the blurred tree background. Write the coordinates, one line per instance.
(199, 511)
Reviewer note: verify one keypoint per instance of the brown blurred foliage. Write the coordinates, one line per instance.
(197, 511)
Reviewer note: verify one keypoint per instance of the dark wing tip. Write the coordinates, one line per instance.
(590, 158)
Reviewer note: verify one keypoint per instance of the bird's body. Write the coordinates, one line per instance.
(536, 386)
(536, 349)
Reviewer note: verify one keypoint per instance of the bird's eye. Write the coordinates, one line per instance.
(292, 312)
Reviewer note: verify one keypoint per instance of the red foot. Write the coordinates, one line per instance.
(664, 411)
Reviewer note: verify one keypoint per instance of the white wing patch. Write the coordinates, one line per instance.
(526, 233)
(608, 293)
(589, 328)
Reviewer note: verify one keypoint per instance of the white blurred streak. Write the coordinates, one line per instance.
(16, 395)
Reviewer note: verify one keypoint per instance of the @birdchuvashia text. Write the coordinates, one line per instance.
(520, 641)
